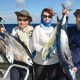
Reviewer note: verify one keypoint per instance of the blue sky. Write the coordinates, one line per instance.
(8, 7)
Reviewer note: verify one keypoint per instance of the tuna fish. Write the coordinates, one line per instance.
(63, 49)
(14, 48)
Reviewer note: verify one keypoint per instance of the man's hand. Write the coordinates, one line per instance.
(74, 69)
(65, 12)
(19, 57)
(2, 29)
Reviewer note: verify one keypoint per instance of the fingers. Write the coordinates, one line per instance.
(64, 70)
(19, 58)
(65, 11)
(2, 30)
(74, 69)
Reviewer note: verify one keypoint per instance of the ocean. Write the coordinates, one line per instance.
(9, 27)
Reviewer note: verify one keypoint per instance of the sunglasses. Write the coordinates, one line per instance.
(45, 16)
(23, 20)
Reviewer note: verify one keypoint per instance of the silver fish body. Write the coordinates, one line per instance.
(14, 48)
(64, 50)
(49, 46)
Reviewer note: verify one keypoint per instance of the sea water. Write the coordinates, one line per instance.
(9, 27)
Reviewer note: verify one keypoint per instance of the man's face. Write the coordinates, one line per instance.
(78, 21)
(22, 21)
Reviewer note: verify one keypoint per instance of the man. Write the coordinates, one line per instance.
(74, 40)
(22, 32)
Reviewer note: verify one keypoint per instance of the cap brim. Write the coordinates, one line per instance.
(20, 14)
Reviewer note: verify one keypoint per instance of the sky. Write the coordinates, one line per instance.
(35, 7)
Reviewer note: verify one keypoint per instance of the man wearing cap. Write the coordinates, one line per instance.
(23, 32)
(74, 40)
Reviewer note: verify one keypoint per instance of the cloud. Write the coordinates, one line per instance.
(36, 18)
(20, 1)
(9, 17)
(68, 3)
